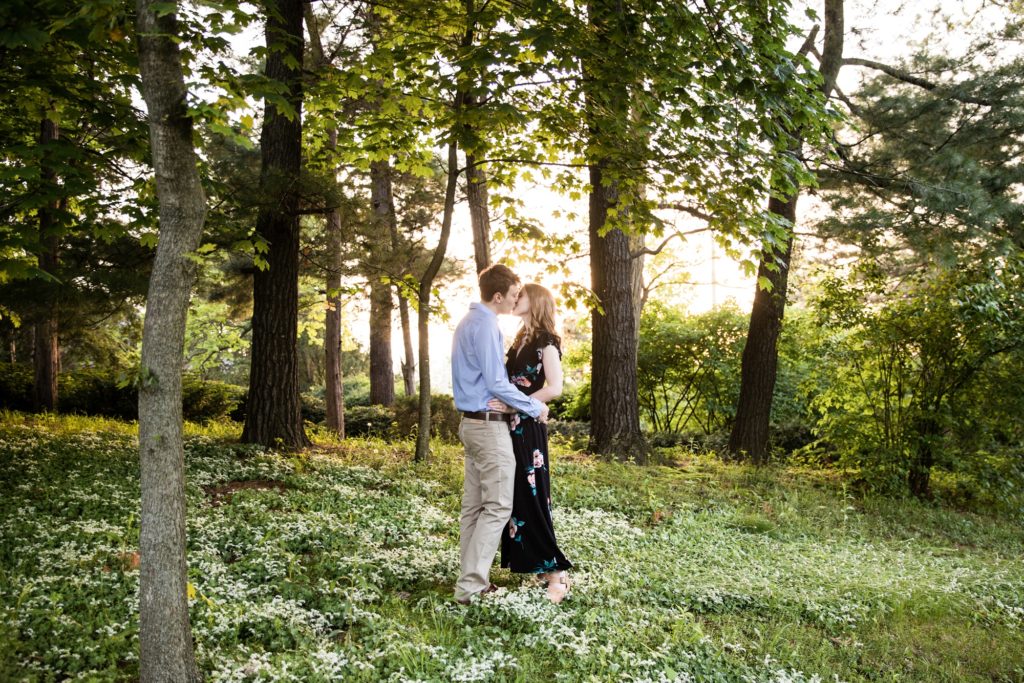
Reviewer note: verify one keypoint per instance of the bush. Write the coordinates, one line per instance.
(444, 418)
(15, 386)
(571, 434)
(94, 392)
(375, 421)
(573, 404)
(205, 401)
(357, 390)
(313, 407)
(98, 392)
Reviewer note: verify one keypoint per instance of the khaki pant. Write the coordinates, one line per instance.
(486, 500)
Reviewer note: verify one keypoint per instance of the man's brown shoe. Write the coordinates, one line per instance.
(465, 601)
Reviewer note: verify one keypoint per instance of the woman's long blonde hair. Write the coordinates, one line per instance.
(542, 315)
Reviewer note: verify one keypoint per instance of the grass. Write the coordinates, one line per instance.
(338, 565)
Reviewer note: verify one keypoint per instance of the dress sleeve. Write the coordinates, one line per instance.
(549, 339)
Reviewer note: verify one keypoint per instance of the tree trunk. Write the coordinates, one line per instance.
(423, 312)
(46, 359)
(476, 195)
(409, 362)
(273, 411)
(750, 430)
(636, 246)
(749, 436)
(165, 635)
(382, 368)
(926, 429)
(334, 387)
(614, 405)
(408, 359)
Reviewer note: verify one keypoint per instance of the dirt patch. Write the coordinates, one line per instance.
(221, 493)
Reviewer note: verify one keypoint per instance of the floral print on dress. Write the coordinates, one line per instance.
(514, 527)
(547, 566)
(538, 458)
(530, 545)
(531, 479)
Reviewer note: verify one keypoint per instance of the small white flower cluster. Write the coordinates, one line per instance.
(479, 667)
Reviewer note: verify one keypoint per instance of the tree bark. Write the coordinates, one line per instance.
(614, 404)
(46, 357)
(409, 358)
(615, 280)
(273, 411)
(409, 362)
(749, 437)
(423, 312)
(476, 195)
(165, 635)
(926, 429)
(750, 430)
(382, 369)
(334, 385)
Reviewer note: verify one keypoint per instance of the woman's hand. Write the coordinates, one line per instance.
(497, 406)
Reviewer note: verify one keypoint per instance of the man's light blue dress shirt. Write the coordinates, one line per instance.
(478, 365)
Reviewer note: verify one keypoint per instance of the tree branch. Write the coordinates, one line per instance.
(907, 77)
(685, 208)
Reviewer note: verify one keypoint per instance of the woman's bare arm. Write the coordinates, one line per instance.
(553, 375)
(552, 386)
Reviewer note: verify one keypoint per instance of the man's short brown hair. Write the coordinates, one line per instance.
(496, 279)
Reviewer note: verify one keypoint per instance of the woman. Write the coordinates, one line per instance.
(534, 365)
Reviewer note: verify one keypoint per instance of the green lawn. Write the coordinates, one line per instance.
(338, 565)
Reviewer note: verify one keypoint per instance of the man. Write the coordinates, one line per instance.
(478, 375)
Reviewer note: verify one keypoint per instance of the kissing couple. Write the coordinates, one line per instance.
(502, 397)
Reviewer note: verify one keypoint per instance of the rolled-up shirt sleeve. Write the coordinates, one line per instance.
(493, 369)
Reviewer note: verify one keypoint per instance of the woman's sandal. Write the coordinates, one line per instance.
(558, 587)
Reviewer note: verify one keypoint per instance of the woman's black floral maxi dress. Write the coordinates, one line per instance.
(528, 545)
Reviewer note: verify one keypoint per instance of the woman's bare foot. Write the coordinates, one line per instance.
(558, 586)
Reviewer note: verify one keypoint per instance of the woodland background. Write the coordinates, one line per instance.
(231, 214)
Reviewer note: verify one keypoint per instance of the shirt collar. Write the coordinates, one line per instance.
(479, 306)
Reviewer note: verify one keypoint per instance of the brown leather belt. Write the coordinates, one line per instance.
(490, 417)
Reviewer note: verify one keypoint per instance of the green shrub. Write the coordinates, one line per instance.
(444, 418)
(357, 390)
(95, 392)
(205, 401)
(376, 421)
(570, 434)
(99, 392)
(15, 386)
(314, 408)
(573, 404)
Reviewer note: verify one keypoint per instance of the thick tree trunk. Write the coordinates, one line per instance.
(614, 406)
(165, 635)
(749, 436)
(273, 411)
(750, 430)
(476, 195)
(616, 281)
(382, 369)
(46, 356)
(423, 312)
